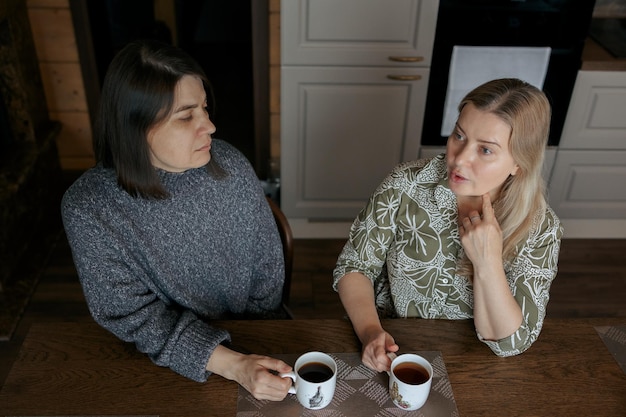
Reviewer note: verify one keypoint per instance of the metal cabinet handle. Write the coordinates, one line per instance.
(406, 58)
(404, 77)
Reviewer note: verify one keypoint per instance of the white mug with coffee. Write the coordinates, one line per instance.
(314, 378)
(410, 378)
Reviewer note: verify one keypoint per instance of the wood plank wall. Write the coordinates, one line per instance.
(274, 25)
(55, 42)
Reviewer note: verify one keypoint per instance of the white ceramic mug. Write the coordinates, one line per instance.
(410, 378)
(314, 378)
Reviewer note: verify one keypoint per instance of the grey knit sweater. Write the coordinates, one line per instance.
(156, 272)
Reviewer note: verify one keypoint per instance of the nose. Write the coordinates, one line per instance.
(208, 127)
(463, 155)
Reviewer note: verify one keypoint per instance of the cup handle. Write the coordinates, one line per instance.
(292, 375)
(392, 356)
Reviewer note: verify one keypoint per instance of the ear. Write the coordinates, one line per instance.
(515, 169)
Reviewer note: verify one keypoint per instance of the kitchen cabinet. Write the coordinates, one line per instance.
(354, 76)
(590, 168)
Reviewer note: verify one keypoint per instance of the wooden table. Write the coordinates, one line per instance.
(80, 369)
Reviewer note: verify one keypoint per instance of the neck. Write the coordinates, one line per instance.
(465, 204)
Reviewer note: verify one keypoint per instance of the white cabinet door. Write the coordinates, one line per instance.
(596, 118)
(343, 130)
(589, 184)
(358, 32)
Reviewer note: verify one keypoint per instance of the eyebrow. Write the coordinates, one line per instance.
(185, 107)
(491, 142)
(188, 106)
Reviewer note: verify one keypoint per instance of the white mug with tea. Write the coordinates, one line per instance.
(314, 378)
(410, 378)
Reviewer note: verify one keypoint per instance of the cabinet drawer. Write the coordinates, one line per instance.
(357, 32)
(589, 184)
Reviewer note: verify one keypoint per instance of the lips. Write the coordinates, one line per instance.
(456, 177)
(205, 147)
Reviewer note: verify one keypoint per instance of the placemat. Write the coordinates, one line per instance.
(614, 337)
(360, 392)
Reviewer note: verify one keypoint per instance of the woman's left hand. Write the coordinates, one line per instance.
(481, 236)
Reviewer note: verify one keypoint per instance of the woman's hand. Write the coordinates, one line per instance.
(496, 312)
(481, 236)
(256, 373)
(357, 296)
(376, 346)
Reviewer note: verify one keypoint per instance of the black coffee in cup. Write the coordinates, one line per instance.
(411, 373)
(315, 372)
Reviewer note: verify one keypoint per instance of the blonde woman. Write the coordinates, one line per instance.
(465, 235)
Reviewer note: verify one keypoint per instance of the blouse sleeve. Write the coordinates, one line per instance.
(530, 276)
(371, 235)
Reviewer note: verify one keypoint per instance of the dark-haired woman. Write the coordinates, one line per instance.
(171, 228)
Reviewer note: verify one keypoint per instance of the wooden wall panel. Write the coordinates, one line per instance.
(64, 86)
(274, 36)
(53, 33)
(59, 63)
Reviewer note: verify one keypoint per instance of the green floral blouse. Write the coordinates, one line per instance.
(406, 241)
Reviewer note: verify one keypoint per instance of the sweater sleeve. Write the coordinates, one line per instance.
(269, 273)
(123, 300)
(530, 276)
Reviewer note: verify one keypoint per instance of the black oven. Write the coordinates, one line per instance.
(561, 25)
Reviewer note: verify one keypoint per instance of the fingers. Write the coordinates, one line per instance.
(263, 383)
(375, 353)
(274, 364)
(487, 207)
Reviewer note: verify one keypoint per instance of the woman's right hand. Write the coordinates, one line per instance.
(357, 296)
(259, 377)
(376, 347)
(256, 373)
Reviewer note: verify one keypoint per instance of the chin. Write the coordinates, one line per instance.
(203, 161)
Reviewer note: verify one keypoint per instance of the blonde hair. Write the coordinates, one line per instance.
(527, 111)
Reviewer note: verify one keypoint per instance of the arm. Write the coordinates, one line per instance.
(529, 278)
(120, 294)
(357, 296)
(253, 372)
(496, 312)
(359, 267)
(268, 275)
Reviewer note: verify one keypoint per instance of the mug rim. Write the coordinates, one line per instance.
(325, 358)
(413, 358)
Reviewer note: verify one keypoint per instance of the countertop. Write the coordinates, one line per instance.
(596, 58)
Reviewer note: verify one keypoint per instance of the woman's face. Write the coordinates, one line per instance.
(478, 155)
(183, 140)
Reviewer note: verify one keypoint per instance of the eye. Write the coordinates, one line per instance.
(457, 135)
(485, 151)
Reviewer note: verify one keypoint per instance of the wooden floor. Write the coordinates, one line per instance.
(591, 283)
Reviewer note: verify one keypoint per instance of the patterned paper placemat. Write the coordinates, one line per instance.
(360, 392)
(614, 337)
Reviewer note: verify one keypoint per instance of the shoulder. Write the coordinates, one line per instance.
(551, 224)
(423, 167)
(420, 172)
(91, 188)
(227, 155)
(546, 229)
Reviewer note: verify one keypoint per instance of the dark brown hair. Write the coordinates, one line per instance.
(138, 93)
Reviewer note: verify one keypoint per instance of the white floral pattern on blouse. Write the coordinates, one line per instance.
(406, 241)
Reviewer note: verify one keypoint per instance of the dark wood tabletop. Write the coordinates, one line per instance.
(80, 369)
